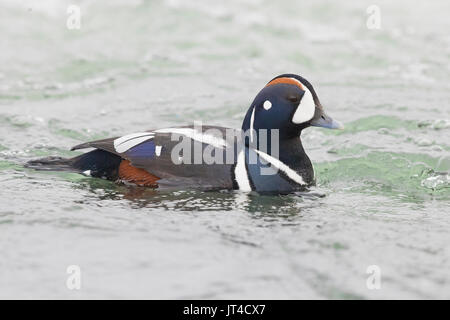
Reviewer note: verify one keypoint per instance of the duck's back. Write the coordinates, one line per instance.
(205, 158)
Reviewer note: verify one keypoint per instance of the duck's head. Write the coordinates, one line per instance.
(288, 103)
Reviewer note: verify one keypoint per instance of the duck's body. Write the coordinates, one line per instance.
(265, 156)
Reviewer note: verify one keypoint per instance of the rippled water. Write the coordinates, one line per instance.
(383, 189)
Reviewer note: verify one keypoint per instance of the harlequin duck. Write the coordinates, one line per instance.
(265, 156)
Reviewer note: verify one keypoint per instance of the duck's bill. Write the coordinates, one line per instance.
(326, 121)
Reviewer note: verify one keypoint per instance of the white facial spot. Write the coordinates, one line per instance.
(305, 110)
(267, 105)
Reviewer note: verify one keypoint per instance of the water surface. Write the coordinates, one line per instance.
(383, 184)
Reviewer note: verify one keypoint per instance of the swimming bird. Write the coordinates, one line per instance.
(265, 156)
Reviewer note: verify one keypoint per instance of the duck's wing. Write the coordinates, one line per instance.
(104, 144)
(117, 145)
(174, 153)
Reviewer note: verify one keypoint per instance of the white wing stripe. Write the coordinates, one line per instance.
(132, 136)
(198, 136)
(127, 142)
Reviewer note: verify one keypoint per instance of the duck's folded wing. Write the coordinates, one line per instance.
(158, 152)
(118, 145)
(134, 147)
(104, 144)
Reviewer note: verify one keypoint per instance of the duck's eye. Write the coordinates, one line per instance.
(293, 98)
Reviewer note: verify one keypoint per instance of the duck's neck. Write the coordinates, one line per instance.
(288, 150)
(284, 144)
(292, 154)
(286, 132)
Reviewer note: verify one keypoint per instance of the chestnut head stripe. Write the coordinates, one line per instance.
(286, 80)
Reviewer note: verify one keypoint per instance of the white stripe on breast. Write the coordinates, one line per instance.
(240, 173)
(196, 135)
(282, 167)
(127, 142)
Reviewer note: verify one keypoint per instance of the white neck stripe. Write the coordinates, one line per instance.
(252, 119)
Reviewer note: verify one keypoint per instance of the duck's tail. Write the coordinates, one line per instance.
(52, 164)
(96, 163)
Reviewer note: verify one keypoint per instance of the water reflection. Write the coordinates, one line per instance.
(200, 201)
